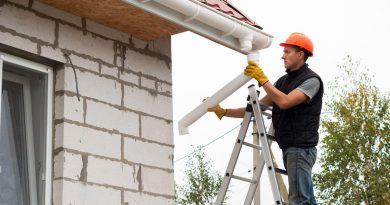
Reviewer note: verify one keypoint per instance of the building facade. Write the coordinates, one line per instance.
(112, 137)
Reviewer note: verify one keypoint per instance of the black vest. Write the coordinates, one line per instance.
(297, 126)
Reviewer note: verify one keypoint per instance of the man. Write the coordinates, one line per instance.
(297, 100)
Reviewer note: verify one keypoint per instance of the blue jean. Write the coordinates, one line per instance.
(299, 163)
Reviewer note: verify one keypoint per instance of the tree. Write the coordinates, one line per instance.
(356, 147)
(201, 183)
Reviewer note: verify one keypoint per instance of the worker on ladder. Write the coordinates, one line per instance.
(297, 101)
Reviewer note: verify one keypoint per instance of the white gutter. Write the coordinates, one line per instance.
(215, 99)
(208, 22)
(216, 26)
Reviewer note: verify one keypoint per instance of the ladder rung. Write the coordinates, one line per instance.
(243, 179)
(281, 171)
(251, 145)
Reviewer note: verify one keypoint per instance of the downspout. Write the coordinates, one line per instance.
(248, 41)
(216, 98)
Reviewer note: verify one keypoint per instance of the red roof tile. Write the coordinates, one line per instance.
(227, 8)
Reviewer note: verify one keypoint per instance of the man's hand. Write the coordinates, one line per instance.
(255, 72)
(218, 110)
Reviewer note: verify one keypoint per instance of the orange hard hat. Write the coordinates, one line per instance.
(300, 40)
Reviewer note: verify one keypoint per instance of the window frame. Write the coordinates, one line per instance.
(48, 73)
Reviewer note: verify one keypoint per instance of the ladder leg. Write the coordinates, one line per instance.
(265, 146)
(233, 159)
(256, 178)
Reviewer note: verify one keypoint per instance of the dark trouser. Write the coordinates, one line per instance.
(299, 163)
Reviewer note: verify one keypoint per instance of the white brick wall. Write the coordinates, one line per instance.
(88, 140)
(27, 23)
(78, 193)
(132, 198)
(85, 63)
(115, 145)
(69, 108)
(108, 117)
(56, 13)
(129, 77)
(158, 181)
(67, 165)
(73, 39)
(144, 101)
(112, 173)
(17, 42)
(93, 85)
(148, 153)
(148, 83)
(157, 130)
(148, 65)
(106, 31)
(110, 70)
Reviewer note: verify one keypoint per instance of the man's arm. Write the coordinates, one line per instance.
(284, 101)
(240, 112)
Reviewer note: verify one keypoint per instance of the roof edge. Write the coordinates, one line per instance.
(208, 22)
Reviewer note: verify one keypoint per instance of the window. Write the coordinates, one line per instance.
(25, 131)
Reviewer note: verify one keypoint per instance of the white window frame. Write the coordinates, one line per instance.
(45, 70)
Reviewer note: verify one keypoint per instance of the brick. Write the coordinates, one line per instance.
(53, 53)
(88, 140)
(69, 108)
(92, 85)
(111, 71)
(56, 13)
(148, 65)
(67, 165)
(132, 198)
(138, 43)
(153, 104)
(157, 130)
(105, 116)
(107, 31)
(88, 44)
(18, 42)
(162, 46)
(164, 88)
(85, 63)
(129, 77)
(148, 83)
(106, 172)
(75, 193)
(158, 181)
(148, 153)
(26, 22)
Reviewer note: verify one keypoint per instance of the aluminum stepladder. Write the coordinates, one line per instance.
(253, 110)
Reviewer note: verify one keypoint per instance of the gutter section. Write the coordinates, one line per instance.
(208, 22)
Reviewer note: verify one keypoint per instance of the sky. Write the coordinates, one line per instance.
(337, 28)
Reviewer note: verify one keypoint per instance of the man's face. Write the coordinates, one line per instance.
(292, 58)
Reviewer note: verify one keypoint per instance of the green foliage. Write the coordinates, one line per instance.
(356, 148)
(201, 183)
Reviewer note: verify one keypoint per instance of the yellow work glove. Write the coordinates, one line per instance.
(255, 72)
(218, 110)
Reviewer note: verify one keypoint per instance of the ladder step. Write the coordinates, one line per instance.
(243, 179)
(251, 145)
(281, 171)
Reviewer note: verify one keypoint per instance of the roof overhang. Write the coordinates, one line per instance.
(154, 19)
(120, 15)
